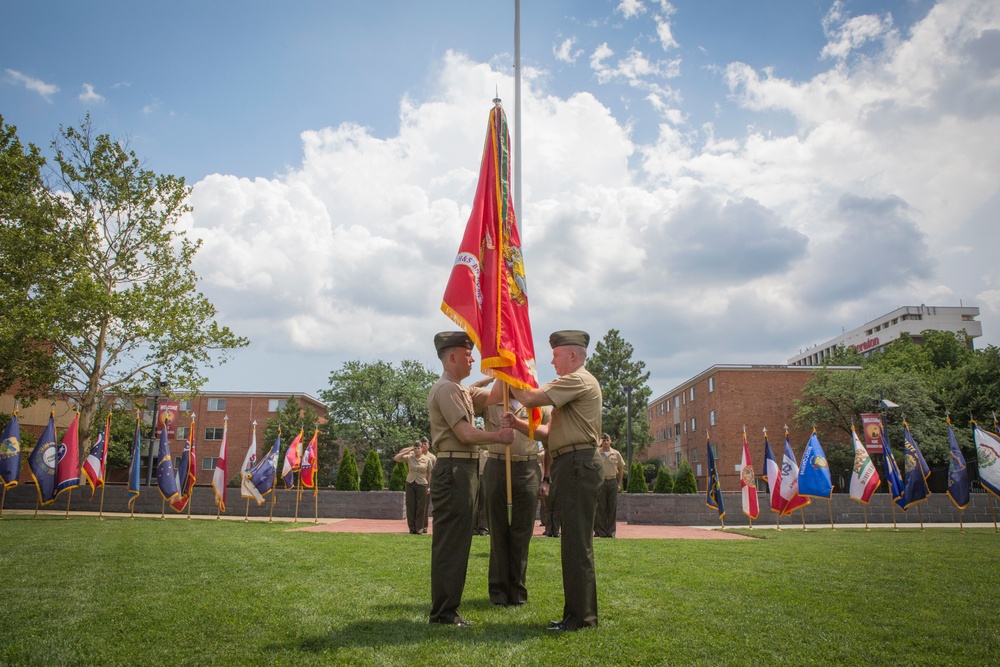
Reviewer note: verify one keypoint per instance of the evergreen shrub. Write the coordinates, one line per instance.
(685, 482)
(372, 477)
(347, 473)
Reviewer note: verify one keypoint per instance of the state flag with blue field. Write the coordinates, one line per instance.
(714, 492)
(814, 473)
(915, 471)
(892, 476)
(10, 453)
(790, 481)
(958, 473)
(135, 467)
(166, 478)
(260, 480)
(42, 462)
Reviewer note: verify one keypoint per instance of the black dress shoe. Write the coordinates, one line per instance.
(552, 623)
(462, 623)
(556, 627)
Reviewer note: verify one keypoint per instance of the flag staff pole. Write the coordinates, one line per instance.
(803, 513)
(163, 508)
(274, 499)
(920, 513)
(316, 481)
(510, 491)
(36, 509)
(829, 503)
(988, 497)
(104, 485)
(298, 495)
(69, 498)
(246, 517)
(3, 499)
(517, 109)
(190, 498)
(864, 510)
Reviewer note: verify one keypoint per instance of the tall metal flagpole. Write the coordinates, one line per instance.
(517, 113)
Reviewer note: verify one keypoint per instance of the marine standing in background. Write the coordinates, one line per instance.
(571, 439)
(452, 409)
(605, 523)
(418, 466)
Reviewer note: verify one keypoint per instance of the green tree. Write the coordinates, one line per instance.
(664, 481)
(684, 481)
(636, 479)
(378, 405)
(292, 419)
(121, 306)
(397, 480)
(372, 475)
(122, 435)
(347, 473)
(611, 363)
(29, 244)
(926, 381)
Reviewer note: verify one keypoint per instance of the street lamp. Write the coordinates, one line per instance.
(159, 384)
(628, 425)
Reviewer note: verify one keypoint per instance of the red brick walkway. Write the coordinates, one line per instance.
(625, 531)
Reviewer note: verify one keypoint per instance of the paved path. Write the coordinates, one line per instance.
(624, 531)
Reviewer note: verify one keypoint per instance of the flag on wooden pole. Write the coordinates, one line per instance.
(219, 475)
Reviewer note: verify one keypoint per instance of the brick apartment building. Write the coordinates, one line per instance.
(210, 410)
(721, 401)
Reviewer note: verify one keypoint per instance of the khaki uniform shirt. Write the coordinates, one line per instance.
(419, 468)
(448, 403)
(576, 413)
(522, 445)
(614, 464)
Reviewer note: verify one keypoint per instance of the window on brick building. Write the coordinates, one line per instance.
(216, 405)
(694, 426)
(677, 401)
(209, 462)
(213, 433)
(692, 393)
(186, 405)
(182, 432)
(694, 456)
(275, 404)
(711, 384)
(711, 418)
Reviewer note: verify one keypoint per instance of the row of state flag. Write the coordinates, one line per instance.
(791, 485)
(54, 467)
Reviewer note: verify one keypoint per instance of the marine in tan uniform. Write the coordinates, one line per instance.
(571, 439)
(419, 465)
(509, 541)
(452, 410)
(607, 498)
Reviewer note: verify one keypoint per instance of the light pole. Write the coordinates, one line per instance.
(152, 430)
(628, 425)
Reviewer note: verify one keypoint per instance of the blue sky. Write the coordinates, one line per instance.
(723, 182)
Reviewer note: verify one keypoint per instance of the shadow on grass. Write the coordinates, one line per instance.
(398, 632)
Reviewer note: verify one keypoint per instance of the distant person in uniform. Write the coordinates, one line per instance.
(452, 409)
(425, 447)
(419, 465)
(605, 522)
(572, 459)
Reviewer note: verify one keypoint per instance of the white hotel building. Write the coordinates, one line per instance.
(881, 331)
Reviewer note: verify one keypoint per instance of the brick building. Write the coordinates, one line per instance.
(721, 401)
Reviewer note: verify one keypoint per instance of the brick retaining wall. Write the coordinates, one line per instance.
(642, 508)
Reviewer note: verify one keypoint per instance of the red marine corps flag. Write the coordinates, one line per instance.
(487, 293)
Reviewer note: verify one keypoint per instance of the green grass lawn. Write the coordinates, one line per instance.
(147, 591)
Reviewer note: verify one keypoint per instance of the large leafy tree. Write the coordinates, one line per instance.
(292, 418)
(28, 246)
(927, 381)
(611, 363)
(120, 303)
(379, 405)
